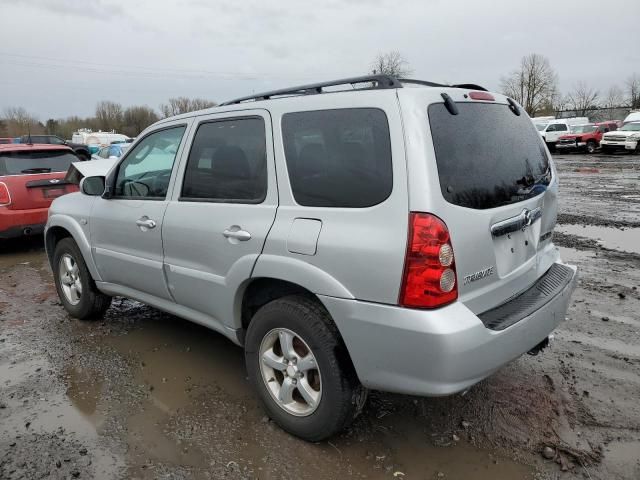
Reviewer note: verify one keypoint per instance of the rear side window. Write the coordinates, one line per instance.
(338, 158)
(227, 162)
(43, 161)
(487, 156)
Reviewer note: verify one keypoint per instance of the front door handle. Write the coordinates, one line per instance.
(145, 223)
(237, 234)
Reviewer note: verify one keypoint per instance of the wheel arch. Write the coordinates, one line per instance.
(62, 226)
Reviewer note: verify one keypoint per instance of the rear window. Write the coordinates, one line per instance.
(338, 158)
(487, 156)
(43, 161)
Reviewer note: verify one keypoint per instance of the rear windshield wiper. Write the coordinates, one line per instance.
(36, 170)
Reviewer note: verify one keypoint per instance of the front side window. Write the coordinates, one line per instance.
(227, 162)
(146, 171)
(338, 158)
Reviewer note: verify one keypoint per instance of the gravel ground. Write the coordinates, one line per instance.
(142, 394)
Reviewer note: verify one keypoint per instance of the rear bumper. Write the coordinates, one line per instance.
(437, 352)
(15, 223)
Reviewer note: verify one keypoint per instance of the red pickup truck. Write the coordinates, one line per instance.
(585, 137)
(31, 176)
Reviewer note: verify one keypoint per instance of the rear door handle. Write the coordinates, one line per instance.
(145, 223)
(235, 233)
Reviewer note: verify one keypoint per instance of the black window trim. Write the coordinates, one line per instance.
(139, 140)
(237, 201)
(293, 197)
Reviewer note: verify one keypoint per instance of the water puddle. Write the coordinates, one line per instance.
(627, 240)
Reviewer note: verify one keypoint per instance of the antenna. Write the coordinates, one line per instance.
(29, 141)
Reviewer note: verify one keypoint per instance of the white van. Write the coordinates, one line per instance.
(634, 116)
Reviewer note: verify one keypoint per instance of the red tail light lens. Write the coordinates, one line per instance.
(481, 96)
(429, 279)
(5, 196)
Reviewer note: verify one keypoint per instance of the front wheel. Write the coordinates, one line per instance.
(591, 146)
(301, 370)
(76, 289)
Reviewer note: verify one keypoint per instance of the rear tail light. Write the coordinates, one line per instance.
(429, 279)
(5, 196)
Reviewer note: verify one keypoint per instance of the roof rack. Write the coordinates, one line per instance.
(376, 82)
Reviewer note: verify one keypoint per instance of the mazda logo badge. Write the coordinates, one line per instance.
(55, 180)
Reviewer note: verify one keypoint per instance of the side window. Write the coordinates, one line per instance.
(227, 162)
(55, 140)
(338, 158)
(561, 127)
(146, 171)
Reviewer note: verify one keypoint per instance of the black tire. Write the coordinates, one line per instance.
(551, 146)
(591, 146)
(342, 395)
(92, 303)
(83, 155)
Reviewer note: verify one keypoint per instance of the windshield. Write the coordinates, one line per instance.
(487, 167)
(541, 126)
(631, 127)
(43, 161)
(584, 128)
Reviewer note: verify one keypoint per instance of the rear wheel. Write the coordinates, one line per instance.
(301, 370)
(76, 289)
(591, 146)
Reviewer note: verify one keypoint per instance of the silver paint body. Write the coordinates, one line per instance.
(351, 258)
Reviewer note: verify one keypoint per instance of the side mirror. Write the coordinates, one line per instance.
(93, 186)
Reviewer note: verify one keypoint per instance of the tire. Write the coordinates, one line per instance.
(83, 156)
(551, 146)
(339, 395)
(591, 146)
(71, 275)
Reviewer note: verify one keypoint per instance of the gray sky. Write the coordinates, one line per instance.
(60, 57)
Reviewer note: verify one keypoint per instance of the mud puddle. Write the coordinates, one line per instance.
(198, 415)
(626, 240)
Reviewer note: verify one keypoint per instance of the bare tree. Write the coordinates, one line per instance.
(109, 115)
(533, 85)
(633, 90)
(582, 99)
(20, 122)
(614, 97)
(176, 106)
(137, 118)
(391, 63)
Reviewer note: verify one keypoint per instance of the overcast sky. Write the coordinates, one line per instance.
(60, 57)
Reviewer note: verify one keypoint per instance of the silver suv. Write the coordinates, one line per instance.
(367, 233)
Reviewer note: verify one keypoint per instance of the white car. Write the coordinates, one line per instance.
(625, 138)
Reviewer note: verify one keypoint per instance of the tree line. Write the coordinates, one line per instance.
(534, 84)
(16, 121)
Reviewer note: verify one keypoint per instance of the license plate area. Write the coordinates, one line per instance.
(516, 248)
(53, 192)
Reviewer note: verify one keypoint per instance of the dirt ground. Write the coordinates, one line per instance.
(142, 394)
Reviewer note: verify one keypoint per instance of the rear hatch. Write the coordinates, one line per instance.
(493, 184)
(35, 177)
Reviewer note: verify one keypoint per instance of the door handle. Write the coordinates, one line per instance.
(237, 234)
(145, 223)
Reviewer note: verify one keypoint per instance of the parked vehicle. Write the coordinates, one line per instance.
(31, 176)
(388, 252)
(553, 130)
(4, 141)
(585, 137)
(96, 140)
(115, 150)
(617, 141)
(634, 116)
(81, 150)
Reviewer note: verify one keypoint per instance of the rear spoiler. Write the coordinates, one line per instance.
(91, 168)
